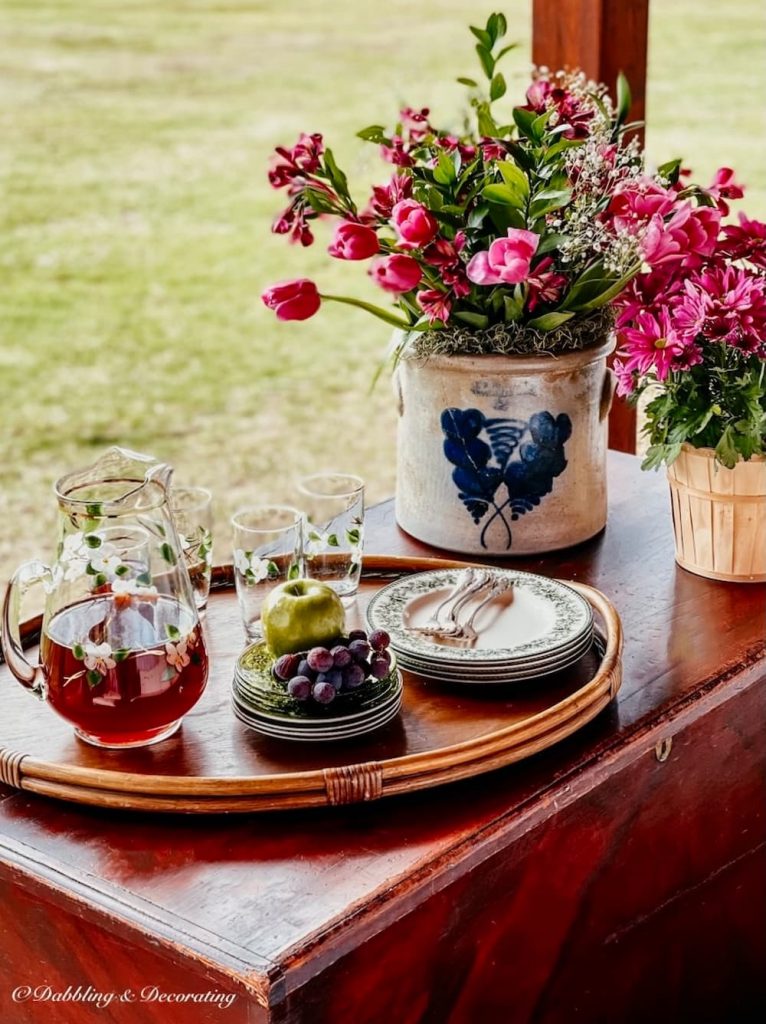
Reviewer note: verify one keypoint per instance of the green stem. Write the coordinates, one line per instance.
(381, 314)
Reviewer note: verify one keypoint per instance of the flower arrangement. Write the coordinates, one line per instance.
(507, 235)
(693, 324)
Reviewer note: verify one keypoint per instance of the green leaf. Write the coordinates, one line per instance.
(501, 26)
(99, 580)
(318, 201)
(726, 449)
(548, 321)
(469, 82)
(95, 509)
(514, 177)
(381, 314)
(504, 195)
(624, 99)
(353, 535)
(550, 242)
(547, 201)
(172, 632)
(539, 125)
(497, 87)
(335, 174)
(121, 654)
(294, 572)
(670, 170)
(78, 651)
(486, 59)
(273, 570)
(169, 674)
(93, 541)
(93, 678)
(486, 122)
(477, 215)
(505, 49)
(524, 120)
(560, 147)
(513, 305)
(492, 28)
(478, 320)
(168, 554)
(444, 172)
(482, 35)
(332, 540)
(373, 133)
(505, 216)
(121, 570)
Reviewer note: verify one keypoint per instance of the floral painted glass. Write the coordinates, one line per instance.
(268, 549)
(122, 654)
(192, 509)
(334, 503)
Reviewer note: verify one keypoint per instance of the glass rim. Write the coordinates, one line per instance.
(297, 520)
(304, 484)
(204, 493)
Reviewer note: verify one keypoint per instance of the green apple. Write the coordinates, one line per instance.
(301, 614)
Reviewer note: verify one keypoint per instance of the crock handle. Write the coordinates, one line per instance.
(607, 393)
(30, 676)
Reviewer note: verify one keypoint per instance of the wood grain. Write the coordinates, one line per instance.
(590, 861)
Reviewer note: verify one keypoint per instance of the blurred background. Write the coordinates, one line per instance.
(136, 215)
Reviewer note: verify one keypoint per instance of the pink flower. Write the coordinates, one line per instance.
(507, 261)
(353, 242)
(493, 149)
(543, 95)
(545, 286)
(746, 241)
(436, 305)
(293, 300)
(415, 226)
(302, 159)
(639, 202)
(294, 222)
(648, 291)
(415, 123)
(385, 197)
(396, 153)
(724, 187)
(724, 304)
(687, 236)
(450, 143)
(651, 345)
(396, 273)
(626, 379)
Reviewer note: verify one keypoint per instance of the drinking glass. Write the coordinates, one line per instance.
(192, 510)
(268, 549)
(334, 505)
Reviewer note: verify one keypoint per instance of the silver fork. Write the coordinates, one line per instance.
(464, 580)
(451, 627)
(466, 635)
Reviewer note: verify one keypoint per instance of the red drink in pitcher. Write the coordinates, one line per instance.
(124, 668)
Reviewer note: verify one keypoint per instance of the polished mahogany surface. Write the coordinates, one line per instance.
(667, 784)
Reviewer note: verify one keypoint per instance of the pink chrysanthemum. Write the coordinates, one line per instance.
(724, 304)
(651, 345)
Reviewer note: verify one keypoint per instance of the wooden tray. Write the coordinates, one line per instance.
(215, 764)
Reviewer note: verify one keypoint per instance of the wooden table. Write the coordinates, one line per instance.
(618, 877)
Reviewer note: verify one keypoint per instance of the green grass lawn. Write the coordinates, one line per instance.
(136, 216)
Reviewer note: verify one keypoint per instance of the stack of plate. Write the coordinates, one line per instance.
(538, 627)
(262, 705)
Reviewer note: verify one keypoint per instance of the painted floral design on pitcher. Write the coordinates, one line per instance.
(486, 474)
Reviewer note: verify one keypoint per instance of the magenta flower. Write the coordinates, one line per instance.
(639, 202)
(293, 300)
(493, 149)
(688, 236)
(746, 241)
(450, 143)
(723, 187)
(396, 273)
(415, 123)
(626, 379)
(543, 95)
(353, 242)
(507, 261)
(294, 222)
(415, 226)
(397, 153)
(651, 345)
(436, 305)
(385, 197)
(302, 159)
(545, 285)
(725, 304)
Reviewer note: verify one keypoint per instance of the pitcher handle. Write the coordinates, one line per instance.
(29, 675)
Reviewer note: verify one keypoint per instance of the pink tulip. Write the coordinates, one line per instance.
(293, 300)
(415, 226)
(353, 241)
(507, 261)
(396, 273)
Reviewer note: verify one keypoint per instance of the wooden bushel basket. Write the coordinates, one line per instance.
(719, 516)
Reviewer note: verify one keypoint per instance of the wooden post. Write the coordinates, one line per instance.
(603, 37)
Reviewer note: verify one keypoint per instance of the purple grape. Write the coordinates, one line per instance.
(359, 648)
(319, 659)
(324, 693)
(287, 666)
(304, 669)
(380, 665)
(341, 656)
(356, 634)
(336, 678)
(299, 687)
(379, 639)
(353, 676)
(365, 667)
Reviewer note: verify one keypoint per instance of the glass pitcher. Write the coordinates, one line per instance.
(122, 653)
